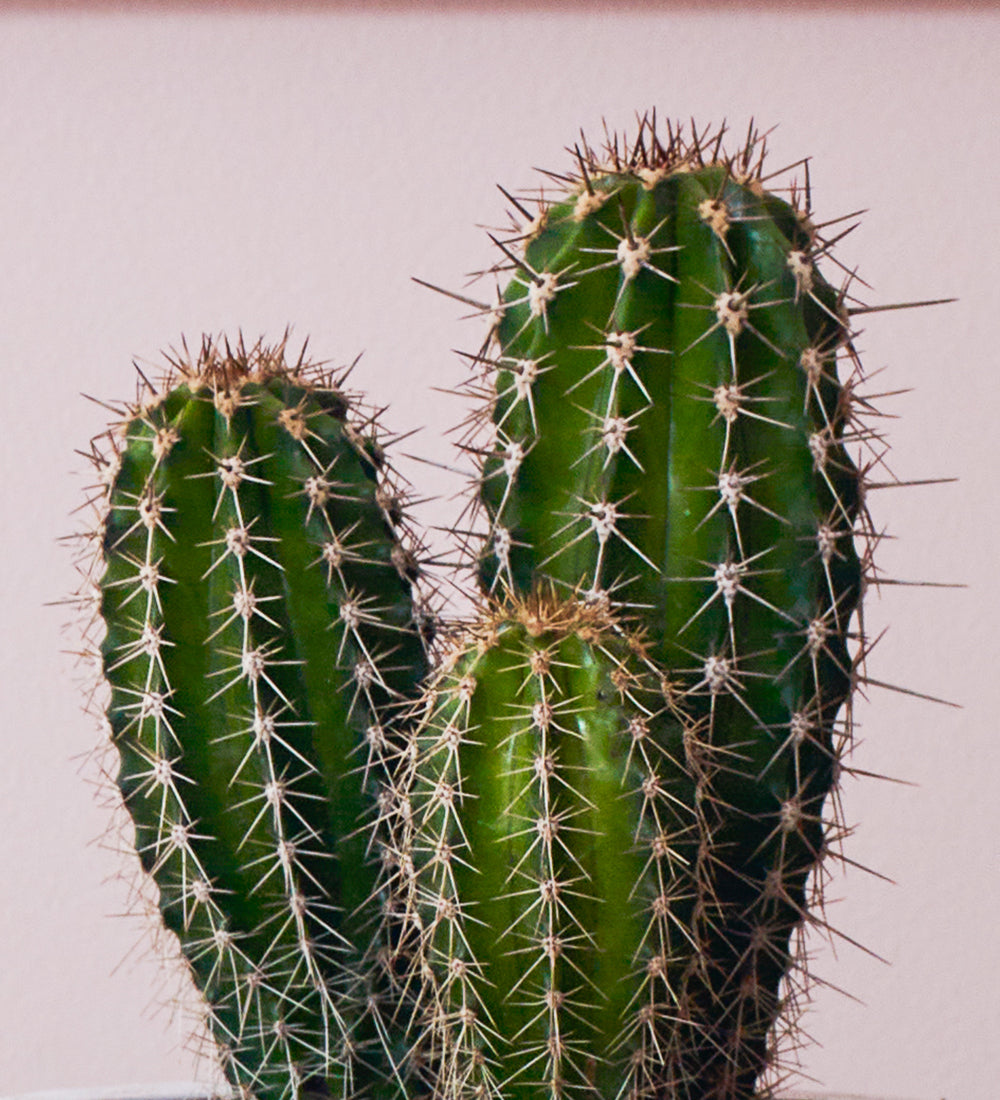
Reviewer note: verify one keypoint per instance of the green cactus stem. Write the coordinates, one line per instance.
(260, 637)
(547, 816)
(670, 426)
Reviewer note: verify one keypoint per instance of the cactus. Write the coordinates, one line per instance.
(580, 859)
(260, 637)
(669, 432)
(545, 814)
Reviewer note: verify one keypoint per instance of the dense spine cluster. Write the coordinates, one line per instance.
(260, 639)
(669, 432)
(546, 827)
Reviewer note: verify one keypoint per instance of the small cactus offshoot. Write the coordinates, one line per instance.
(549, 836)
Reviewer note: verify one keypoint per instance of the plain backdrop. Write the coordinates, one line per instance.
(165, 173)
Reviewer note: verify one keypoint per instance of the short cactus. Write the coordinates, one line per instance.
(547, 825)
(260, 635)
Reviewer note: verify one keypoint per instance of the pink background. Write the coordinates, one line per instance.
(171, 171)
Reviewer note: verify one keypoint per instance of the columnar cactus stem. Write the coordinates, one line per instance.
(260, 639)
(670, 431)
(548, 821)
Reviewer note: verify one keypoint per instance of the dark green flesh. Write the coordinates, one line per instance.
(678, 530)
(262, 970)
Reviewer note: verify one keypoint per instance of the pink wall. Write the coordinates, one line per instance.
(177, 171)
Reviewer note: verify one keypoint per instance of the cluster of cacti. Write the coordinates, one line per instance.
(575, 859)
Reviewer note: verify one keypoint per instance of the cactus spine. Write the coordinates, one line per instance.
(259, 631)
(669, 432)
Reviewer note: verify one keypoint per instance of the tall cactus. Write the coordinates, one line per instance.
(670, 431)
(260, 638)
